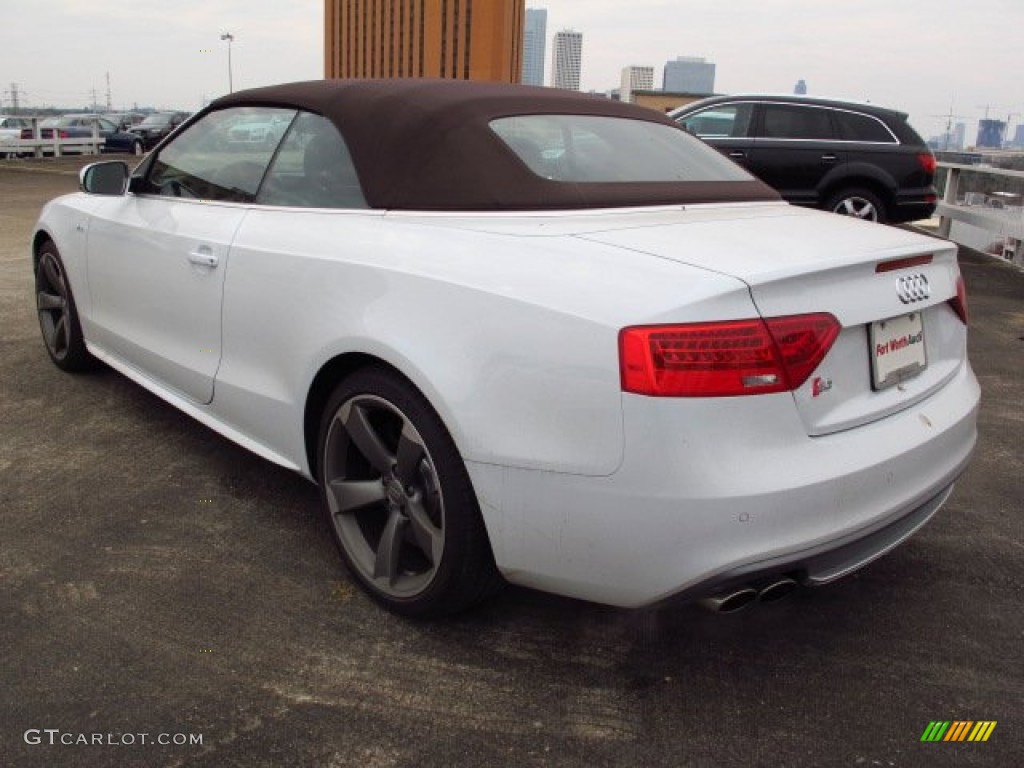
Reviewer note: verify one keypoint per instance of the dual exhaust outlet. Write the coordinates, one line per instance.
(738, 598)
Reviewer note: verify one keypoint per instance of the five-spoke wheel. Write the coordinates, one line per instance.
(398, 498)
(58, 317)
(859, 203)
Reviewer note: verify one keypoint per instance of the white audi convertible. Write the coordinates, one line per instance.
(527, 335)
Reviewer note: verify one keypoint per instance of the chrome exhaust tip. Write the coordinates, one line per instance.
(731, 601)
(776, 589)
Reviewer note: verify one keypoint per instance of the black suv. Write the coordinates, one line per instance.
(157, 126)
(850, 158)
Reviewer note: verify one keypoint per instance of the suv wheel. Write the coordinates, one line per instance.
(859, 203)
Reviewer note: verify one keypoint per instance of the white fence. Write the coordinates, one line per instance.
(56, 146)
(1001, 214)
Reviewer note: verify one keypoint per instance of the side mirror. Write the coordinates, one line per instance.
(106, 178)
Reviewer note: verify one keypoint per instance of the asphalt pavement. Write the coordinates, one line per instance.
(168, 599)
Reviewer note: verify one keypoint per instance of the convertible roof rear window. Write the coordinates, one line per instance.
(596, 148)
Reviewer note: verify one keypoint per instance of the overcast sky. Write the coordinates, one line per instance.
(921, 56)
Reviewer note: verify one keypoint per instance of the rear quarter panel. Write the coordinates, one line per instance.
(513, 339)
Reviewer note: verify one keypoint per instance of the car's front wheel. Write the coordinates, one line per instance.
(399, 500)
(859, 203)
(58, 315)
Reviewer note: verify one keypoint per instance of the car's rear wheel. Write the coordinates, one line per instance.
(398, 499)
(859, 203)
(58, 315)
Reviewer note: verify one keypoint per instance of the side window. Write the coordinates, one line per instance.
(723, 121)
(854, 126)
(789, 121)
(221, 157)
(313, 169)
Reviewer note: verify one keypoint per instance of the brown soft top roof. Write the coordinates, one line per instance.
(423, 144)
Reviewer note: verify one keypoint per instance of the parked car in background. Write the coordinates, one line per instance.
(82, 126)
(849, 158)
(528, 332)
(10, 128)
(125, 120)
(156, 126)
(256, 131)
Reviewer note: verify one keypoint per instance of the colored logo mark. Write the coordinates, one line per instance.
(958, 730)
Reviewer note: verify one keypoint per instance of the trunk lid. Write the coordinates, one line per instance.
(889, 288)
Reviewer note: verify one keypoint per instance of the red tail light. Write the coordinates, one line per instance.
(927, 161)
(724, 359)
(63, 134)
(959, 304)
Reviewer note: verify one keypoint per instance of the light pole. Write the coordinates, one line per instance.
(230, 38)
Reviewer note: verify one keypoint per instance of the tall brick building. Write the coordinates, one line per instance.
(458, 39)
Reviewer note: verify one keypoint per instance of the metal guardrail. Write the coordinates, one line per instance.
(1006, 221)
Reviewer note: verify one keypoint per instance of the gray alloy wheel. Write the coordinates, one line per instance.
(859, 203)
(398, 499)
(390, 515)
(58, 317)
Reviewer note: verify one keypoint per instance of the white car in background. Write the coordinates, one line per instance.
(526, 334)
(10, 128)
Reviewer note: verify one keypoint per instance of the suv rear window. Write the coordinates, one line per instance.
(854, 126)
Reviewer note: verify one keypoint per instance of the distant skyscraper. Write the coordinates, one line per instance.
(959, 135)
(1018, 137)
(689, 74)
(990, 133)
(566, 60)
(534, 45)
(801, 88)
(636, 79)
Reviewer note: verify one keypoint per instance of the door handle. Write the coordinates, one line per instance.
(737, 153)
(828, 158)
(203, 257)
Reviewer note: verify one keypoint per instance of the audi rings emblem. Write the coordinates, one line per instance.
(913, 288)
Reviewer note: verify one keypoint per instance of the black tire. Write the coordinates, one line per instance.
(860, 203)
(398, 499)
(58, 314)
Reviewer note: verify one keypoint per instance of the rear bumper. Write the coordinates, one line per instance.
(913, 204)
(912, 210)
(711, 493)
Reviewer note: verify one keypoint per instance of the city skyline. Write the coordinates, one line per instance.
(689, 74)
(566, 58)
(937, 60)
(635, 79)
(535, 46)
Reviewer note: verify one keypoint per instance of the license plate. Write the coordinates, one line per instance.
(897, 349)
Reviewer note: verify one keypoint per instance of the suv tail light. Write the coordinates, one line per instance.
(959, 302)
(927, 162)
(724, 359)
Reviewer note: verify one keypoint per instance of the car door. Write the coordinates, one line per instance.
(157, 257)
(727, 126)
(795, 147)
